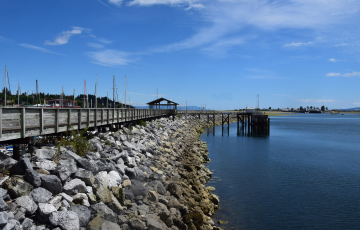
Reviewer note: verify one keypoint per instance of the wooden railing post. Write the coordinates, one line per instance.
(107, 116)
(95, 117)
(102, 116)
(88, 118)
(41, 121)
(0, 122)
(23, 128)
(56, 120)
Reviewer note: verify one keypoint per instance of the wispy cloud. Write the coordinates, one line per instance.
(38, 48)
(189, 3)
(116, 2)
(283, 95)
(357, 103)
(228, 18)
(297, 44)
(109, 57)
(104, 40)
(143, 94)
(353, 74)
(317, 100)
(3, 39)
(334, 60)
(63, 37)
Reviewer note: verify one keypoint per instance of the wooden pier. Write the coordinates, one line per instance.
(21, 123)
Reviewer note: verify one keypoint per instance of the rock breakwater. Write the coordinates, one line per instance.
(149, 177)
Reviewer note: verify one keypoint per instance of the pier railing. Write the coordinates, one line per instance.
(18, 123)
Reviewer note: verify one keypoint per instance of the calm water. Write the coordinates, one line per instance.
(305, 175)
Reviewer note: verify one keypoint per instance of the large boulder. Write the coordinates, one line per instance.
(3, 219)
(63, 173)
(51, 183)
(32, 177)
(17, 186)
(70, 164)
(46, 209)
(3, 205)
(21, 166)
(45, 164)
(114, 179)
(67, 220)
(102, 178)
(28, 203)
(83, 213)
(75, 186)
(45, 153)
(85, 176)
(104, 211)
(40, 195)
(89, 165)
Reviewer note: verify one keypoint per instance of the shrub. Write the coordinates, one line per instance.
(179, 116)
(142, 123)
(78, 140)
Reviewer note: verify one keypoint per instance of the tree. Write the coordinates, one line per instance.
(311, 107)
(323, 108)
(270, 107)
(326, 108)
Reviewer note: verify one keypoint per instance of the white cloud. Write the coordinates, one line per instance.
(357, 103)
(334, 60)
(104, 40)
(109, 57)
(317, 101)
(224, 18)
(297, 44)
(116, 2)
(64, 36)
(190, 3)
(38, 48)
(353, 74)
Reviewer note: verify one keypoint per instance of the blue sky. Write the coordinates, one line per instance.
(221, 53)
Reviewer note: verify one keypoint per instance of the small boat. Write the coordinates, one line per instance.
(9, 148)
(342, 114)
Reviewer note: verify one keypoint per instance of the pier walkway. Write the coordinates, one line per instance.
(17, 124)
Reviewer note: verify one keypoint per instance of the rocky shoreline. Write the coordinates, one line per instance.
(150, 177)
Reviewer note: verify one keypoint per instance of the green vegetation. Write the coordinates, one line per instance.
(107, 142)
(199, 131)
(142, 123)
(179, 115)
(78, 140)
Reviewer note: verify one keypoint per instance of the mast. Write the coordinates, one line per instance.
(114, 89)
(18, 93)
(74, 98)
(125, 91)
(107, 99)
(37, 92)
(84, 91)
(96, 92)
(5, 84)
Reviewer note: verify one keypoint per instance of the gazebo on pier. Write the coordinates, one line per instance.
(156, 104)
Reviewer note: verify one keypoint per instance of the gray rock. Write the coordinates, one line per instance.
(85, 176)
(27, 223)
(40, 195)
(32, 177)
(102, 178)
(130, 161)
(66, 154)
(56, 201)
(28, 203)
(20, 167)
(67, 220)
(45, 153)
(67, 197)
(139, 174)
(109, 225)
(154, 224)
(122, 220)
(123, 137)
(70, 164)
(138, 188)
(137, 224)
(89, 165)
(83, 214)
(62, 172)
(121, 168)
(17, 186)
(45, 164)
(175, 190)
(13, 225)
(20, 215)
(75, 186)
(130, 172)
(101, 166)
(3, 205)
(3, 192)
(104, 211)
(3, 219)
(127, 144)
(114, 179)
(46, 209)
(51, 183)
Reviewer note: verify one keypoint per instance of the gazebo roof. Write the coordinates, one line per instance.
(157, 101)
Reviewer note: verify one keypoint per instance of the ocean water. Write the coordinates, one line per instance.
(304, 175)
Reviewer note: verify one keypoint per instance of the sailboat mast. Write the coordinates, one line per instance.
(5, 83)
(125, 91)
(96, 92)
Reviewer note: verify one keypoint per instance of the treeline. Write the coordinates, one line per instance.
(33, 99)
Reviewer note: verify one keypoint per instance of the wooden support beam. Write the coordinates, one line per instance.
(79, 119)
(57, 120)
(22, 119)
(41, 121)
(88, 118)
(1, 122)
